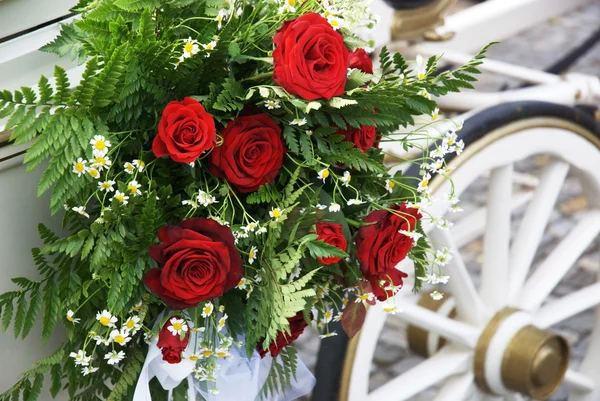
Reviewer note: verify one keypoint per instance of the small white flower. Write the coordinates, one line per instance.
(338, 317)
(309, 132)
(323, 174)
(335, 22)
(411, 234)
(134, 188)
(120, 196)
(459, 147)
(250, 227)
(101, 340)
(80, 210)
(334, 207)
(101, 163)
(190, 202)
(214, 391)
(206, 199)
(107, 186)
(355, 202)
(79, 167)
(429, 278)
(389, 185)
(70, 317)
(139, 164)
(439, 152)
(81, 358)
(455, 208)
(321, 207)
(452, 198)
(420, 67)
(222, 16)
(132, 324)
(289, 6)
(261, 230)
(391, 309)
(435, 114)
(327, 335)
(368, 296)
(272, 104)
(275, 213)
(190, 48)
(210, 46)
(441, 279)
(298, 121)
(424, 184)
(444, 224)
(242, 284)
(129, 168)
(436, 295)
(222, 321)
(296, 273)
(327, 316)
(177, 326)
(106, 318)
(121, 337)
(252, 255)
(89, 370)
(436, 165)
(207, 310)
(449, 139)
(222, 353)
(345, 179)
(443, 256)
(100, 145)
(114, 357)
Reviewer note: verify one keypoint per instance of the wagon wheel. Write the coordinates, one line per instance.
(500, 344)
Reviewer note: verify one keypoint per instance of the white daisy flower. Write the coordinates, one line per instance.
(177, 326)
(275, 213)
(252, 255)
(100, 145)
(323, 174)
(134, 188)
(444, 224)
(221, 16)
(70, 317)
(206, 199)
(327, 316)
(345, 179)
(436, 165)
(107, 186)
(355, 202)
(450, 138)
(101, 163)
(80, 358)
(207, 310)
(411, 234)
(210, 47)
(368, 296)
(261, 230)
(420, 67)
(335, 22)
(106, 318)
(132, 324)
(272, 104)
(190, 47)
(222, 353)
(441, 279)
(334, 207)
(289, 6)
(443, 256)
(338, 317)
(242, 284)
(459, 147)
(114, 357)
(222, 321)
(435, 114)
(439, 152)
(298, 121)
(214, 391)
(436, 295)
(121, 337)
(120, 196)
(327, 335)
(424, 184)
(89, 370)
(321, 207)
(139, 164)
(79, 167)
(250, 227)
(101, 340)
(389, 185)
(129, 168)
(391, 309)
(455, 208)
(80, 210)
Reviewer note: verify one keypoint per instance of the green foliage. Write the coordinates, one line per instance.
(283, 370)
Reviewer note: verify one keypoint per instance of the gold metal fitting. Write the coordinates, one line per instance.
(533, 364)
(417, 337)
(413, 23)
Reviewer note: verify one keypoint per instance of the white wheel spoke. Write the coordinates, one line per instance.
(445, 363)
(514, 397)
(578, 381)
(457, 388)
(461, 286)
(555, 266)
(494, 274)
(433, 322)
(532, 227)
(567, 306)
(472, 225)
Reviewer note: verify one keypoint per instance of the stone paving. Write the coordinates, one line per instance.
(537, 48)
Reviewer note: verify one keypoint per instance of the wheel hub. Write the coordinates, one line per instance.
(511, 355)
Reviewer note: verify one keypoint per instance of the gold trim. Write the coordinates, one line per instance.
(417, 337)
(4, 135)
(470, 150)
(413, 23)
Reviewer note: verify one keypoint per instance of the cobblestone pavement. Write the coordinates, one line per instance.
(537, 48)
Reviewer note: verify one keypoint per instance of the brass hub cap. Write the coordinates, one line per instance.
(529, 361)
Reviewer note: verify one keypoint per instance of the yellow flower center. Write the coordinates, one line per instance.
(252, 254)
(364, 297)
(276, 213)
(106, 185)
(120, 339)
(120, 198)
(100, 160)
(69, 318)
(425, 183)
(94, 173)
(328, 315)
(388, 309)
(130, 323)
(451, 141)
(137, 307)
(207, 353)
(391, 184)
(207, 310)
(104, 321)
(291, 3)
(208, 47)
(241, 283)
(421, 75)
(189, 46)
(79, 167)
(100, 145)
(221, 354)
(194, 358)
(325, 174)
(132, 188)
(221, 323)
(334, 22)
(177, 326)
(141, 164)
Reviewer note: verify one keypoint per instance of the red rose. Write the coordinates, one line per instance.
(382, 284)
(251, 154)
(331, 233)
(310, 58)
(297, 326)
(185, 131)
(171, 345)
(380, 246)
(363, 138)
(361, 60)
(199, 262)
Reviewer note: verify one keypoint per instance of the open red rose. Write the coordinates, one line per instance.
(171, 346)
(380, 245)
(297, 326)
(185, 131)
(199, 262)
(332, 234)
(310, 58)
(361, 60)
(363, 138)
(251, 154)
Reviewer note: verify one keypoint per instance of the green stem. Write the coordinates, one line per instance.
(259, 77)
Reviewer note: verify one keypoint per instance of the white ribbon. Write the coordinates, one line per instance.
(237, 377)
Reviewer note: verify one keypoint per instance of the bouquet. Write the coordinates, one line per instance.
(219, 170)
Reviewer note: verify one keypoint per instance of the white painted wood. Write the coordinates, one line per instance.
(472, 225)
(567, 306)
(450, 329)
(555, 266)
(445, 363)
(494, 274)
(469, 304)
(457, 388)
(19, 15)
(514, 397)
(433, 340)
(533, 224)
(579, 382)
